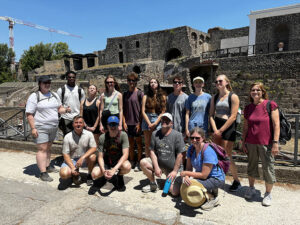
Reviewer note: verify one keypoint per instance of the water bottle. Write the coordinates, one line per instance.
(167, 186)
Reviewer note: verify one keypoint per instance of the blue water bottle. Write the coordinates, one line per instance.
(167, 186)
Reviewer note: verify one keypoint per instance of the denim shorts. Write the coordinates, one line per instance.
(212, 183)
(152, 117)
(45, 134)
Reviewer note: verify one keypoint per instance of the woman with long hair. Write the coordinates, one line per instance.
(261, 139)
(223, 112)
(42, 110)
(153, 106)
(201, 164)
(111, 103)
(89, 110)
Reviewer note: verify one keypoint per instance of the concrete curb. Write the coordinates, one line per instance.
(284, 174)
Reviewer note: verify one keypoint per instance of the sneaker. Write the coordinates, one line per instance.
(137, 168)
(51, 169)
(209, 205)
(150, 187)
(45, 177)
(267, 199)
(89, 180)
(250, 193)
(235, 186)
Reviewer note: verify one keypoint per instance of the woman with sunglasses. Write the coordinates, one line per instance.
(153, 106)
(89, 110)
(42, 110)
(201, 165)
(111, 103)
(261, 139)
(223, 111)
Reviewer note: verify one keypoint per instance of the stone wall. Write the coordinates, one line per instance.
(280, 72)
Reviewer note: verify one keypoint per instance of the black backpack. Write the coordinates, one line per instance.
(285, 125)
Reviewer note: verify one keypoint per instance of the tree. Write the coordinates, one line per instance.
(6, 57)
(34, 57)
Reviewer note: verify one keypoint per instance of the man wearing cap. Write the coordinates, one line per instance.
(166, 149)
(113, 154)
(71, 95)
(197, 107)
(78, 146)
(176, 104)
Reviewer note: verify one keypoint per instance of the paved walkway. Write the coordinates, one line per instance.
(24, 199)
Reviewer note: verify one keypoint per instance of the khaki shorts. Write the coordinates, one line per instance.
(267, 160)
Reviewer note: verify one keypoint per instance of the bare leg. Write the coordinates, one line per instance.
(140, 148)
(131, 148)
(268, 187)
(65, 173)
(252, 181)
(125, 168)
(49, 153)
(228, 145)
(148, 169)
(91, 162)
(147, 136)
(42, 156)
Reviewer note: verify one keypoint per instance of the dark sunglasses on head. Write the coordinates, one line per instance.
(197, 138)
(218, 81)
(113, 124)
(109, 82)
(177, 82)
(130, 80)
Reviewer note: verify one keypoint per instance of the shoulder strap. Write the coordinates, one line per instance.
(63, 90)
(53, 95)
(79, 93)
(229, 100)
(269, 108)
(204, 148)
(112, 100)
(216, 98)
(37, 96)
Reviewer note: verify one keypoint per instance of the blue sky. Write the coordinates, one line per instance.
(97, 20)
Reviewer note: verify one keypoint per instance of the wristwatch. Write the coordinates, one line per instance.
(275, 142)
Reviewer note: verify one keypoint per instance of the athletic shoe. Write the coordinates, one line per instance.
(89, 180)
(45, 177)
(51, 169)
(267, 199)
(137, 167)
(210, 204)
(250, 193)
(152, 187)
(235, 186)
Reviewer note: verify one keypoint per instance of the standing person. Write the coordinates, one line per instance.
(113, 155)
(132, 118)
(223, 111)
(89, 110)
(166, 152)
(176, 104)
(153, 106)
(70, 95)
(202, 165)
(261, 139)
(111, 103)
(79, 147)
(197, 108)
(42, 110)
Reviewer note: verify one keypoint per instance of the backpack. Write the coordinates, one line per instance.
(223, 159)
(239, 114)
(39, 99)
(63, 90)
(285, 125)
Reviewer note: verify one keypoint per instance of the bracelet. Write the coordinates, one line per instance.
(275, 142)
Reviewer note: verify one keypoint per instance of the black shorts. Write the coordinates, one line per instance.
(229, 134)
(131, 131)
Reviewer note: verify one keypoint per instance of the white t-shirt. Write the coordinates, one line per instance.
(71, 99)
(46, 110)
(76, 146)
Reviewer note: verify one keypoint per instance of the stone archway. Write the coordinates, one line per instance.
(172, 53)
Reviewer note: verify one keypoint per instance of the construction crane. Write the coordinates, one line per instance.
(13, 21)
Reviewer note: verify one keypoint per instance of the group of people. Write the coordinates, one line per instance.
(102, 133)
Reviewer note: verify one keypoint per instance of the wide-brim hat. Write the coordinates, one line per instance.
(193, 195)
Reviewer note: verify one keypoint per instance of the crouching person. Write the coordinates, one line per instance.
(207, 172)
(166, 150)
(78, 146)
(113, 154)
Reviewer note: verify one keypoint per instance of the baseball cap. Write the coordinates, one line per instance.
(44, 78)
(113, 119)
(168, 115)
(198, 78)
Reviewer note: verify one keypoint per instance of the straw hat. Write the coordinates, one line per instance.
(194, 195)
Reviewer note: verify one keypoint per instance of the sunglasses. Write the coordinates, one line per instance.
(165, 121)
(113, 124)
(109, 82)
(71, 77)
(197, 138)
(177, 82)
(130, 80)
(218, 81)
(255, 90)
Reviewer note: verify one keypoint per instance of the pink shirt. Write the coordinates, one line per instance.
(259, 129)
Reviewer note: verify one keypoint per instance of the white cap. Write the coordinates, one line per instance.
(168, 115)
(198, 78)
